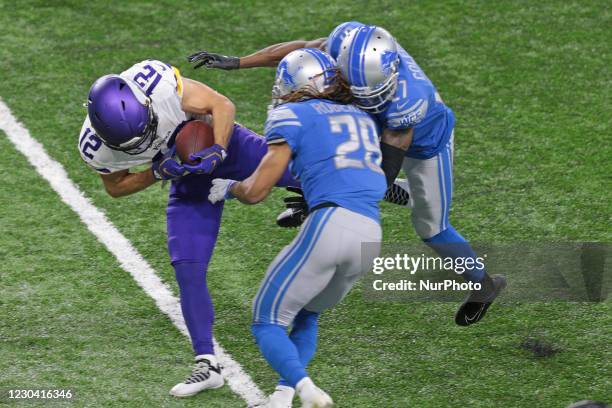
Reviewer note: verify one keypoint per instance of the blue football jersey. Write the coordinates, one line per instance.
(418, 105)
(336, 155)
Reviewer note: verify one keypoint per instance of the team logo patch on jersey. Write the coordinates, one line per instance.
(411, 116)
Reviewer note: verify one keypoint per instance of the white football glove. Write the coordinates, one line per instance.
(220, 190)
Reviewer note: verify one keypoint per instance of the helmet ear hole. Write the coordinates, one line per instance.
(123, 105)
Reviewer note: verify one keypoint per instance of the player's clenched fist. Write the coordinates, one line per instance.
(206, 160)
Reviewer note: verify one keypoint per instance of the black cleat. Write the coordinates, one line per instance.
(475, 306)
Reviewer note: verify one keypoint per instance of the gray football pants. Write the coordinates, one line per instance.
(319, 267)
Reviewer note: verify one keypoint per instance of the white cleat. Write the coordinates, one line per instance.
(206, 375)
(312, 396)
(282, 397)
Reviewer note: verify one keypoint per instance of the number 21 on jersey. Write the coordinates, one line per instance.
(362, 133)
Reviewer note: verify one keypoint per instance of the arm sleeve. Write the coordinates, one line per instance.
(283, 125)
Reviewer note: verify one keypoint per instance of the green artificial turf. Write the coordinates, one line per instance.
(530, 85)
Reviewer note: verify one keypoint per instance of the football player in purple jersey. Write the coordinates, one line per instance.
(132, 120)
(417, 135)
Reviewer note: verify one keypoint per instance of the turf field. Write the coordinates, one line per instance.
(530, 85)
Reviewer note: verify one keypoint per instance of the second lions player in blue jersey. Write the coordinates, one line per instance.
(332, 147)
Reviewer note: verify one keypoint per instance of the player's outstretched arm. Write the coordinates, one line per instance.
(267, 57)
(122, 183)
(259, 184)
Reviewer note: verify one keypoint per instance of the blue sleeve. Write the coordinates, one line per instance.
(412, 98)
(283, 125)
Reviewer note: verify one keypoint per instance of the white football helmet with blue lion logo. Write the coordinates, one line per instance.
(368, 60)
(307, 67)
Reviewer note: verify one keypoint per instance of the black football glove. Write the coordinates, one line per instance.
(213, 60)
(297, 209)
(296, 212)
(397, 193)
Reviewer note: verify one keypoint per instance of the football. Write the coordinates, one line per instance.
(193, 137)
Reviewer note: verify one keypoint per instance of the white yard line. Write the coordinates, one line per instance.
(129, 258)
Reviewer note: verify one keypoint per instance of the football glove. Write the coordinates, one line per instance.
(166, 168)
(296, 212)
(213, 60)
(220, 190)
(207, 160)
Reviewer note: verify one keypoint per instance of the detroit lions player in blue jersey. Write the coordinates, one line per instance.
(417, 134)
(332, 148)
(387, 82)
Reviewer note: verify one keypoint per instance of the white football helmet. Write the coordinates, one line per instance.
(300, 68)
(368, 59)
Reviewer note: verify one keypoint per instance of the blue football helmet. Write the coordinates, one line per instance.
(368, 59)
(334, 40)
(121, 114)
(307, 67)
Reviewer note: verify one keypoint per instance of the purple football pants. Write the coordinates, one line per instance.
(193, 225)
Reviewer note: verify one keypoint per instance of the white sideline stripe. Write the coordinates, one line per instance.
(129, 258)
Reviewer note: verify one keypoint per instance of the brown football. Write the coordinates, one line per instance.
(193, 137)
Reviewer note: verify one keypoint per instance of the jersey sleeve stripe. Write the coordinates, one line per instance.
(281, 114)
(179, 81)
(275, 125)
(276, 139)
